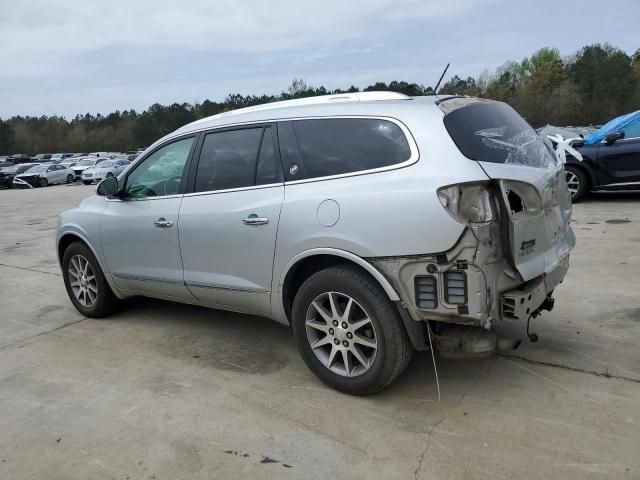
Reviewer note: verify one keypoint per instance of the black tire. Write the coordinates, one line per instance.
(86, 182)
(106, 302)
(109, 174)
(583, 182)
(70, 178)
(43, 182)
(394, 350)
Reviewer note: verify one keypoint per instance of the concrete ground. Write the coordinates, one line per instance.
(164, 391)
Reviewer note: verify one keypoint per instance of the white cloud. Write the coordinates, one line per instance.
(47, 35)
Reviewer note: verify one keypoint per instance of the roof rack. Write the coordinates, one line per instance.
(339, 97)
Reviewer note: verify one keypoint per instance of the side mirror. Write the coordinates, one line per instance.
(613, 137)
(108, 187)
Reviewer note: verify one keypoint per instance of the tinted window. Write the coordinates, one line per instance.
(228, 160)
(266, 171)
(495, 132)
(343, 145)
(161, 172)
(632, 130)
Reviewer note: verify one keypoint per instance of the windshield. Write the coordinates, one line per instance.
(56, 155)
(86, 163)
(495, 132)
(106, 164)
(37, 169)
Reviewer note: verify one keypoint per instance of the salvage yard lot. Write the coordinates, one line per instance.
(164, 391)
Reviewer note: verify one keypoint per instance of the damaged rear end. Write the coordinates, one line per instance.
(516, 245)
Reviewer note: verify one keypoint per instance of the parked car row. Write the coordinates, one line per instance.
(88, 169)
(21, 158)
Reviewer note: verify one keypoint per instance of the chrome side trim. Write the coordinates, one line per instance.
(219, 287)
(230, 190)
(619, 184)
(143, 199)
(142, 278)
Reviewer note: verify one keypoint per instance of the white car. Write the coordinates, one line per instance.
(102, 170)
(85, 163)
(43, 175)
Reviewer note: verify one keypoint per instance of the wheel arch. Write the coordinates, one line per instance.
(67, 238)
(588, 173)
(308, 262)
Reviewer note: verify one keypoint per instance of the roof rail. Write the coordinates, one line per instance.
(338, 97)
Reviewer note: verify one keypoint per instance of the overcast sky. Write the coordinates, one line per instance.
(77, 56)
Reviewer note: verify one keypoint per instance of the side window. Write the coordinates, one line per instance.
(161, 172)
(336, 146)
(266, 171)
(228, 160)
(632, 130)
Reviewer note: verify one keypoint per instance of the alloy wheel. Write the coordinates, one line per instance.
(82, 280)
(573, 183)
(341, 334)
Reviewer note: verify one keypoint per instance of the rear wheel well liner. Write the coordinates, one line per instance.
(307, 266)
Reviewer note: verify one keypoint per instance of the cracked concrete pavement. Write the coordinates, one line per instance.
(166, 391)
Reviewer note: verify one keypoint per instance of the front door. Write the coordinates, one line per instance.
(228, 223)
(139, 228)
(619, 163)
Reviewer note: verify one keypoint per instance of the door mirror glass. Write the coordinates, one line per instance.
(613, 137)
(108, 186)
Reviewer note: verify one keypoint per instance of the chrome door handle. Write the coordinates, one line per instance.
(254, 219)
(163, 223)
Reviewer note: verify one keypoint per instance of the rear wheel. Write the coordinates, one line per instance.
(577, 183)
(85, 283)
(109, 174)
(348, 331)
(69, 178)
(43, 182)
(86, 182)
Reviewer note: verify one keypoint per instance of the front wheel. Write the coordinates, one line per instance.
(348, 331)
(43, 182)
(70, 178)
(85, 283)
(577, 183)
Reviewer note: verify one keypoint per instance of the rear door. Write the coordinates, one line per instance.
(536, 206)
(229, 220)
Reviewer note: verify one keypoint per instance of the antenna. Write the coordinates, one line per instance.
(435, 90)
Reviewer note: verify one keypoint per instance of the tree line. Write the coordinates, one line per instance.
(587, 88)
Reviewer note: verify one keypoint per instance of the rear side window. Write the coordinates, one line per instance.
(494, 132)
(228, 160)
(335, 146)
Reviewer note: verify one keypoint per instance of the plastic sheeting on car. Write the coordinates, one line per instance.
(617, 123)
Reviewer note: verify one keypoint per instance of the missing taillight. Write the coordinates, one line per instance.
(515, 202)
(521, 197)
(468, 202)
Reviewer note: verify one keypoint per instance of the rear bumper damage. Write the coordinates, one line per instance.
(472, 284)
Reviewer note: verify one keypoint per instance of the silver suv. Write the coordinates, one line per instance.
(372, 224)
